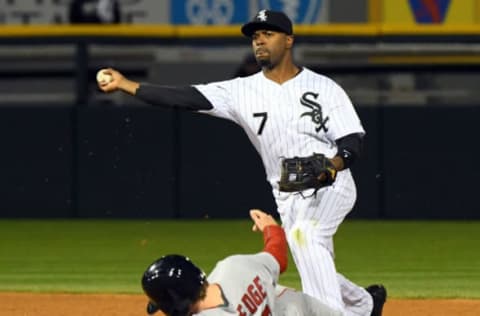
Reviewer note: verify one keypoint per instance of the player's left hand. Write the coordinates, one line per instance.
(261, 220)
(329, 173)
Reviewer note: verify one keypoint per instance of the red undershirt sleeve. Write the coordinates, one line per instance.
(276, 244)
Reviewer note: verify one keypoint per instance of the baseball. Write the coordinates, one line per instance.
(103, 78)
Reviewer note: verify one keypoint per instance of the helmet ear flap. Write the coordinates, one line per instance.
(182, 305)
(151, 308)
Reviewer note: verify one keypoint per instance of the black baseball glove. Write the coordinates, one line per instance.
(301, 173)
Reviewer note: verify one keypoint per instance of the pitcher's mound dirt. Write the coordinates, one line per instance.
(30, 304)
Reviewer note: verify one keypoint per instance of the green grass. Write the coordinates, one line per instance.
(414, 259)
(417, 259)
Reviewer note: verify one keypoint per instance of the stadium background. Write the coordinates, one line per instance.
(410, 67)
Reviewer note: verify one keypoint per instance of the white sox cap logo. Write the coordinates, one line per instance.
(268, 20)
(262, 16)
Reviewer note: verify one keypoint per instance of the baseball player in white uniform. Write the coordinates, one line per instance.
(288, 111)
(240, 285)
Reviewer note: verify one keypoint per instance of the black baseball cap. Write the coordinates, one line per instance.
(268, 20)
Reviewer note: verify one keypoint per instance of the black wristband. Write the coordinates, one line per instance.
(347, 156)
(349, 148)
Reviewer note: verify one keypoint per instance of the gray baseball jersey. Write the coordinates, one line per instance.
(290, 302)
(249, 286)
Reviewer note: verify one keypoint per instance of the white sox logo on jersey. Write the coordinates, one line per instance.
(316, 111)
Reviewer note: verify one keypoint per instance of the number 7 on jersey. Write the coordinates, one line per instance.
(263, 115)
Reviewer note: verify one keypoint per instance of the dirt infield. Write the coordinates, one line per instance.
(27, 304)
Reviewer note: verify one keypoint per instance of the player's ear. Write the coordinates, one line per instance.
(290, 39)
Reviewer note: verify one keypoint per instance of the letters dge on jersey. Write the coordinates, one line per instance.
(253, 298)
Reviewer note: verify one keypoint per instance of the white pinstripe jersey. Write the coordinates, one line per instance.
(305, 114)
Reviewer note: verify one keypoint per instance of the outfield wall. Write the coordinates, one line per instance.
(151, 162)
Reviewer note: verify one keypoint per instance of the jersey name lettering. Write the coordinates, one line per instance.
(252, 299)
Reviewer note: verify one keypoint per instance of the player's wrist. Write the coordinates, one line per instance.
(268, 229)
(275, 242)
(338, 163)
(129, 86)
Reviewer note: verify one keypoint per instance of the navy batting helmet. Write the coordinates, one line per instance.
(172, 283)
